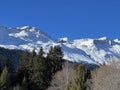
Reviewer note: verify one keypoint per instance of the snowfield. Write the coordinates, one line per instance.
(91, 51)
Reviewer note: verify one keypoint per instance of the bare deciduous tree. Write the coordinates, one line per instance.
(107, 77)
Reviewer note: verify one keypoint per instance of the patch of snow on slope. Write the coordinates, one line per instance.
(103, 38)
(117, 40)
(77, 55)
(20, 34)
(101, 50)
(93, 51)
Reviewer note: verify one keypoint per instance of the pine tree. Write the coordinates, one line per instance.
(41, 53)
(79, 79)
(0, 67)
(11, 71)
(23, 66)
(34, 53)
(24, 85)
(5, 79)
(55, 56)
(37, 69)
(39, 77)
(58, 55)
(25, 55)
(8, 64)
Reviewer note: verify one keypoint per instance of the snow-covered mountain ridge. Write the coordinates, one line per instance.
(93, 51)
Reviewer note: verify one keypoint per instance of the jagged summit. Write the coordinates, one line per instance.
(32, 29)
(25, 27)
(103, 38)
(117, 40)
(26, 33)
(93, 51)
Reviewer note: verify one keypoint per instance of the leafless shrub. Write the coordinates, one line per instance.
(60, 80)
(107, 77)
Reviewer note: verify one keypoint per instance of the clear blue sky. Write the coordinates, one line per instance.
(59, 18)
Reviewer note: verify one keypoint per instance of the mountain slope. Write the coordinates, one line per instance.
(13, 55)
(100, 50)
(91, 51)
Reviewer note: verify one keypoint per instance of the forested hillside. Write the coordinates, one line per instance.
(22, 70)
(34, 71)
(12, 55)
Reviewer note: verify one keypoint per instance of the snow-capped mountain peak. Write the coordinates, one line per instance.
(103, 38)
(25, 37)
(93, 51)
(32, 30)
(117, 40)
(24, 27)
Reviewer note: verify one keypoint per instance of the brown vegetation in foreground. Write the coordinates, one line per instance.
(107, 77)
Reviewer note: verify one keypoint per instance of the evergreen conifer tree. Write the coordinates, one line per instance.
(34, 53)
(38, 78)
(55, 56)
(5, 79)
(23, 66)
(0, 67)
(9, 65)
(79, 79)
(41, 53)
(24, 85)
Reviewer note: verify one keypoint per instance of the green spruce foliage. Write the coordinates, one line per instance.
(9, 65)
(79, 79)
(41, 53)
(23, 66)
(33, 53)
(5, 79)
(55, 56)
(37, 69)
(6, 76)
(24, 85)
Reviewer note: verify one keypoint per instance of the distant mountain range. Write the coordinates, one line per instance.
(89, 51)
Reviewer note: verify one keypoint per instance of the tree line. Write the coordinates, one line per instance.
(34, 72)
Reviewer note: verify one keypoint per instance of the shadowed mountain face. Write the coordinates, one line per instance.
(13, 55)
(89, 51)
